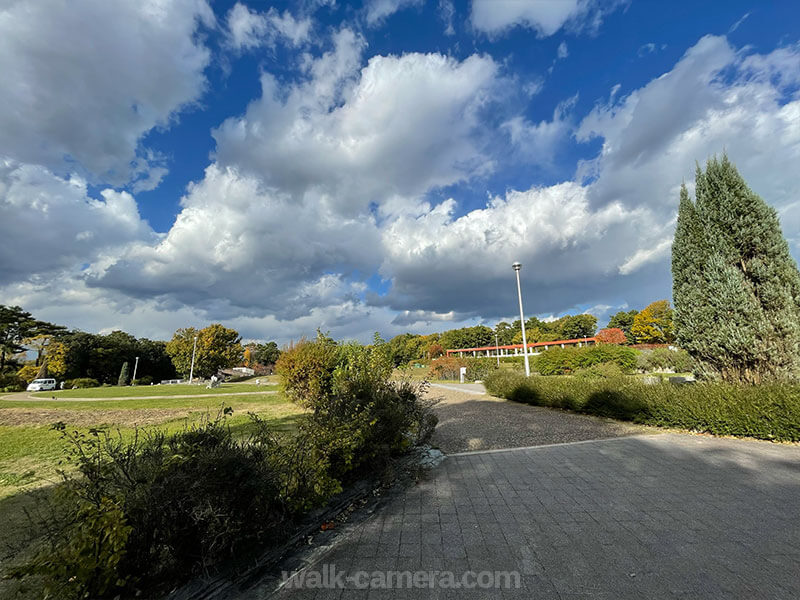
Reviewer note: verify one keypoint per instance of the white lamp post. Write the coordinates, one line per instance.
(194, 349)
(497, 349)
(135, 366)
(517, 266)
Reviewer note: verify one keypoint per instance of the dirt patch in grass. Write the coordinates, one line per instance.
(80, 418)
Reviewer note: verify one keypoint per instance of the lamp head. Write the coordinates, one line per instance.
(516, 266)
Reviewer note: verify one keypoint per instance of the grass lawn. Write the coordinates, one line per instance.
(155, 390)
(30, 451)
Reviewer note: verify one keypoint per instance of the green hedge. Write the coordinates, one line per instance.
(563, 361)
(769, 412)
(664, 359)
(571, 360)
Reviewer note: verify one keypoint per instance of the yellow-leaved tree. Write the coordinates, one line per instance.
(56, 359)
(217, 348)
(653, 325)
(28, 373)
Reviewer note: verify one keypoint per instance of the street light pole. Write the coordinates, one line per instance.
(135, 366)
(517, 266)
(497, 349)
(191, 370)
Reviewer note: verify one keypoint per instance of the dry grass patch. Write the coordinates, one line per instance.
(86, 418)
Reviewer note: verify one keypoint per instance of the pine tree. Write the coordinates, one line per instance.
(736, 287)
(123, 374)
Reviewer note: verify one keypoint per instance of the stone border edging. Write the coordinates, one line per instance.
(608, 439)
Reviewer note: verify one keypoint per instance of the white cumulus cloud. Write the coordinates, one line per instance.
(653, 136)
(48, 223)
(249, 29)
(326, 181)
(239, 247)
(606, 237)
(379, 10)
(400, 125)
(545, 17)
(568, 250)
(83, 82)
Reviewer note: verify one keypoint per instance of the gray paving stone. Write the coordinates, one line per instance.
(665, 516)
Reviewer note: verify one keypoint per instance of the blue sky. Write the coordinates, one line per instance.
(284, 166)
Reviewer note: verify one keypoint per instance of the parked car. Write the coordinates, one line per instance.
(41, 385)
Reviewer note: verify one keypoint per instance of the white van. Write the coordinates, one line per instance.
(41, 385)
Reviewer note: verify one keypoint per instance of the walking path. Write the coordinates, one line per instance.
(468, 422)
(475, 389)
(661, 516)
(634, 515)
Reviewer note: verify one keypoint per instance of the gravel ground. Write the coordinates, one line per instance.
(470, 422)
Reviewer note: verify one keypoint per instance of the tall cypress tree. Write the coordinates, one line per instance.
(123, 374)
(736, 287)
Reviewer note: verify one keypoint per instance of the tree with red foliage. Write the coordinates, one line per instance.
(435, 350)
(611, 335)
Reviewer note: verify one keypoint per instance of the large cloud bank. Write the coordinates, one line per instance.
(319, 206)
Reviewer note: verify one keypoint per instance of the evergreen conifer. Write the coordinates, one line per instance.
(736, 287)
(123, 374)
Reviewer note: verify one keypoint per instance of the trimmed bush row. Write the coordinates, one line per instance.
(570, 360)
(563, 361)
(664, 359)
(769, 412)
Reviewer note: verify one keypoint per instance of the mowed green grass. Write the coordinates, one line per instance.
(30, 449)
(156, 390)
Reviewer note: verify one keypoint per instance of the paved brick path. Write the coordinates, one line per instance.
(471, 422)
(662, 516)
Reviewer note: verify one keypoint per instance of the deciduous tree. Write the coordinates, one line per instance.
(217, 348)
(505, 333)
(467, 337)
(611, 335)
(28, 373)
(623, 320)
(654, 324)
(263, 354)
(57, 359)
(576, 326)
